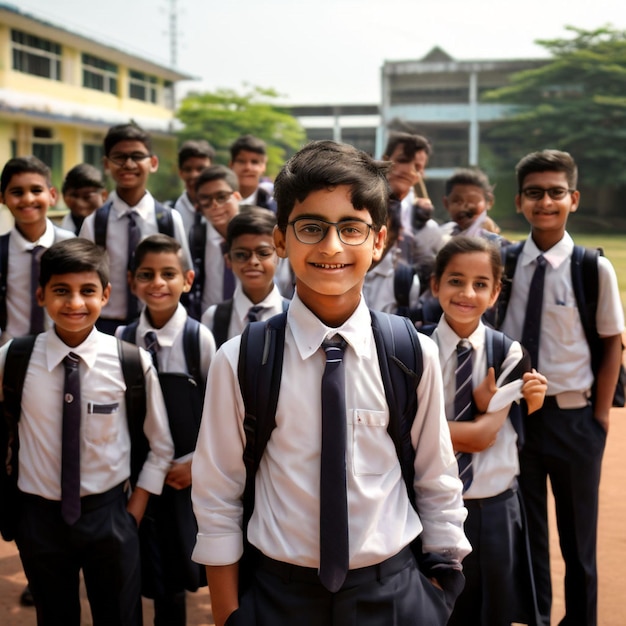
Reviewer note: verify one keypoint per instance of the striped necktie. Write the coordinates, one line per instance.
(464, 405)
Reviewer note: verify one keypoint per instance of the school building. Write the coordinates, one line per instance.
(60, 91)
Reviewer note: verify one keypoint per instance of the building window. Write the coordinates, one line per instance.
(99, 74)
(34, 55)
(52, 155)
(143, 87)
(168, 95)
(93, 154)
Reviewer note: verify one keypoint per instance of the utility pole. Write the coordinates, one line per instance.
(173, 33)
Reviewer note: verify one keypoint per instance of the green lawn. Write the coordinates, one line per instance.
(614, 247)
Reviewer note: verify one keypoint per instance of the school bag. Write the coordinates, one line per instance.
(260, 372)
(15, 368)
(221, 320)
(163, 214)
(584, 271)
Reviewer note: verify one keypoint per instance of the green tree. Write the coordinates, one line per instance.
(575, 102)
(222, 116)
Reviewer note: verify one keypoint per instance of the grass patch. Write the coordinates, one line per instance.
(614, 247)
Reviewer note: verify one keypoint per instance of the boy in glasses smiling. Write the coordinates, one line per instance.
(252, 257)
(565, 439)
(130, 214)
(332, 210)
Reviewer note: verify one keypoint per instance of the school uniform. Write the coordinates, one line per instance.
(260, 197)
(285, 524)
(271, 305)
(115, 312)
(498, 589)
(563, 441)
(18, 295)
(187, 211)
(169, 528)
(103, 542)
(69, 223)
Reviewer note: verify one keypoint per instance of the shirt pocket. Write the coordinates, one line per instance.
(373, 452)
(562, 321)
(102, 422)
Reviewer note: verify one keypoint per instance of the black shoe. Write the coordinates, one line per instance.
(26, 599)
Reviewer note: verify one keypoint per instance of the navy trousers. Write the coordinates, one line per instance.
(565, 446)
(103, 543)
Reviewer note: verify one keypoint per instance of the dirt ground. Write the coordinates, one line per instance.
(611, 555)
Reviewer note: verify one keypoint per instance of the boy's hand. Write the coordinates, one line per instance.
(179, 476)
(485, 391)
(534, 389)
(137, 503)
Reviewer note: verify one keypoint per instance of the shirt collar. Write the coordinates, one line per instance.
(309, 331)
(56, 350)
(555, 256)
(168, 333)
(46, 240)
(447, 339)
(143, 207)
(242, 304)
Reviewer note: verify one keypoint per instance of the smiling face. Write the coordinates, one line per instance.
(158, 282)
(29, 197)
(73, 302)
(249, 167)
(130, 174)
(466, 289)
(329, 274)
(465, 203)
(190, 171)
(256, 274)
(405, 172)
(209, 198)
(546, 216)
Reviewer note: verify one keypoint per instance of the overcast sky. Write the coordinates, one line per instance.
(316, 51)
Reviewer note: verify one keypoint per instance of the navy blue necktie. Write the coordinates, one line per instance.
(153, 347)
(464, 405)
(70, 441)
(134, 236)
(197, 245)
(532, 322)
(36, 312)
(254, 313)
(228, 284)
(334, 554)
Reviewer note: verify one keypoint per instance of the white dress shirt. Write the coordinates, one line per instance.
(564, 356)
(117, 244)
(272, 305)
(105, 441)
(187, 211)
(285, 522)
(213, 292)
(495, 468)
(18, 279)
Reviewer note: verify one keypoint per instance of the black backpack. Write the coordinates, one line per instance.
(16, 366)
(584, 269)
(260, 372)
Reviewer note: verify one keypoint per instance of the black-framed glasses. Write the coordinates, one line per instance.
(220, 198)
(537, 193)
(121, 158)
(312, 230)
(243, 255)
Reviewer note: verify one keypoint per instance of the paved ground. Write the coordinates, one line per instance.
(611, 554)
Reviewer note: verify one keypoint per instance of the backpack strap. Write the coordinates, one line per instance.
(4, 270)
(221, 321)
(164, 219)
(129, 333)
(132, 370)
(191, 347)
(401, 365)
(402, 281)
(101, 223)
(510, 255)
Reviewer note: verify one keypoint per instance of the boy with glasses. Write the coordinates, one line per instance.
(565, 439)
(129, 215)
(251, 255)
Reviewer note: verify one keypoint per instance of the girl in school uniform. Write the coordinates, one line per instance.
(484, 430)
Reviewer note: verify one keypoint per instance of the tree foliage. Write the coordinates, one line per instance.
(222, 116)
(575, 102)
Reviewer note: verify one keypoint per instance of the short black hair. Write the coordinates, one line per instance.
(81, 176)
(250, 143)
(461, 244)
(218, 172)
(251, 220)
(158, 244)
(23, 165)
(325, 165)
(410, 144)
(74, 256)
(470, 176)
(547, 161)
(195, 148)
(126, 132)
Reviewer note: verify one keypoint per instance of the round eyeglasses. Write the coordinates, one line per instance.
(311, 230)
